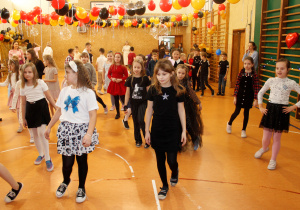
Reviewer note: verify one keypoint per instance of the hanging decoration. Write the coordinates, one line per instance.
(291, 39)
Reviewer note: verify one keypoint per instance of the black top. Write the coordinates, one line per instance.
(29, 45)
(224, 65)
(151, 67)
(138, 88)
(166, 126)
(245, 95)
(196, 63)
(176, 64)
(204, 67)
(40, 68)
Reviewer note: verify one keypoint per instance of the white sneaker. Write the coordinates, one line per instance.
(243, 134)
(228, 128)
(260, 152)
(122, 109)
(112, 108)
(105, 91)
(31, 140)
(272, 165)
(100, 92)
(80, 195)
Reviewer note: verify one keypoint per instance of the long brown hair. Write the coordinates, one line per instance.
(251, 60)
(143, 70)
(122, 60)
(35, 75)
(50, 60)
(83, 79)
(15, 62)
(166, 66)
(185, 68)
(34, 57)
(13, 47)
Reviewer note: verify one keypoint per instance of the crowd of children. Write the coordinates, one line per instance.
(151, 90)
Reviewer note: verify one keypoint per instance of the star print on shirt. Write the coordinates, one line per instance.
(165, 96)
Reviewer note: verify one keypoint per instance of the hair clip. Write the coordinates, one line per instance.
(73, 66)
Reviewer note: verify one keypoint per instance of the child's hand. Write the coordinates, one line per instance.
(113, 79)
(86, 141)
(147, 138)
(255, 103)
(24, 123)
(193, 67)
(208, 77)
(225, 77)
(197, 74)
(13, 110)
(234, 100)
(200, 107)
(47, 134)
(287, 109)
(183, 138)
(263, 110)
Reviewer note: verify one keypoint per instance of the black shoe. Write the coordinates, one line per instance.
(125, 124)
(80, 195)
(146, 146)
(163, 193)
(138, 144)
(61, 190)
(0, 119)
(219, 94)
(202, 94)
(223, 94)
(117, 116)
(197, 90)
(174, 180)
(212, 93)
(13, 194)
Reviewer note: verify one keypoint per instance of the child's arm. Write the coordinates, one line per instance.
(127, 96)
(225, 77)
(237, 86)
(23, 98)
(50, 99)
(181, 113)
(5, 83)
(255, 88)
(15, 98)
(291, 108)
(87, 139)
(52, 80)
(103, 75)
(199, 70)
(148, 117)
(260, 96)
(54, 119)
(208, 72)
(94, 77)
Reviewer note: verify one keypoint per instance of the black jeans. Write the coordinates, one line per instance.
(100, 101)
(117, 104)
(236, 113)
(161, 165)
(138, 115)
(196, 80)
(204, 82)
(68, 162)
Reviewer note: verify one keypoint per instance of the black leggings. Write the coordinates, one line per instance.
(100, 101)
(117, 102)
(236, 113)
(68, 162)
(161, 165)
(196, 80)
(138, 115)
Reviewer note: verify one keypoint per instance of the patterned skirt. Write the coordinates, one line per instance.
(70, 137)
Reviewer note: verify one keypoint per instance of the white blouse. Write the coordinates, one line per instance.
(280, 90)
(13, 81)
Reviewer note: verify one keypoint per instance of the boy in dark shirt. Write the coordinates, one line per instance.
(223, 70)
(204, 73)
(152, 63)
(195, 68)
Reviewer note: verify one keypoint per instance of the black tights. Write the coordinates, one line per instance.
(117, 102)
(100, 101)
(161, 165)
(68, 162)
(236, 113)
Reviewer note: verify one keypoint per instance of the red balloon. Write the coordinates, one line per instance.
(113, 10)
(27, 22)
(184, 3)
(30, 16)
(33, 22)
(41, 18)
(87, 19)
(4, 21)
(95, 11)
(151, 5)
(68, 20)
(291, 39)
(121, 10)
(178, 17)
(1, 37)
(134, 22)
(23, 15)
(37, 11)
(165, 5)
(46, 22)
(118, 22)
(16, 21)
(47, 17)
(221, 7)
(58, 4)
(54, 16)
(209, 24)
(195, 15)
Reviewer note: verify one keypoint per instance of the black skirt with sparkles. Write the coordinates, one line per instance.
(37, 113)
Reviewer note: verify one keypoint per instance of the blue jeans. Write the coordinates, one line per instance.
(222, 83)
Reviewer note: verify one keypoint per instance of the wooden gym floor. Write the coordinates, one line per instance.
(223, 174)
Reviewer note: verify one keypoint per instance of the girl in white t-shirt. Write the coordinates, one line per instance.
(11, 80)
(35, 111)
(77, 135)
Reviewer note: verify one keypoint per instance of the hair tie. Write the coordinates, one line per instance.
(73, 66)
(118, 53)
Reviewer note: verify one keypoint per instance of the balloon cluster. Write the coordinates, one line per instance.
(9, 35)
(222, 11)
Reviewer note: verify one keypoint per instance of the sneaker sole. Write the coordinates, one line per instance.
(9, 201)
(161, 197)
(81, 201)
(51, 169)
(258, 157)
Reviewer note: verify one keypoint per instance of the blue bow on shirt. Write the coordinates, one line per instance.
(74, 102)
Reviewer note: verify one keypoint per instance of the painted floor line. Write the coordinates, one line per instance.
(155, 195)
(190, 197)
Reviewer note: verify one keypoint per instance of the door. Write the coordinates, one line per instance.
(238, 51)
(178, 40)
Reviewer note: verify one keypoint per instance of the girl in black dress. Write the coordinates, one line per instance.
(32, 58)
(246, 89)
(168, 130)
(192, 106)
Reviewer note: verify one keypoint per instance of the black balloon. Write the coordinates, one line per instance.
(100, 23)
(104, 13)
(200, 14)
(63, 10)
(108, 23)
(152, 25)
(180, 23)
(71, 12)
(162, 20)
(8, 29)
(143, 25)
(3, 32)
(148, 22)
(130, 12)
(174, 24)
(139, 20)
(194, 29)
(166, 18)
(141, 11)
(5, 13)
(75, 19)
(219, 1)
(121, 22)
